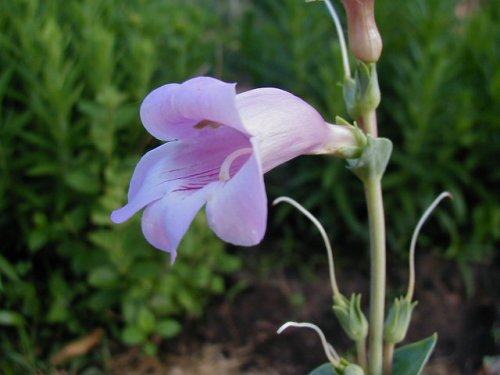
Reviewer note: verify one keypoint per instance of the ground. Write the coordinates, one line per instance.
(238, 337)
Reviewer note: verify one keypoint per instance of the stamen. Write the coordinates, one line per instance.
(322, 231)
(416, 232)
(331, 354)
(224, 173)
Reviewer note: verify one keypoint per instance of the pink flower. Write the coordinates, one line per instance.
(218, 146)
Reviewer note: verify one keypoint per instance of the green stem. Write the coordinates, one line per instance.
(388, 358)
(361, 352)
(369, 123)
(375, 206)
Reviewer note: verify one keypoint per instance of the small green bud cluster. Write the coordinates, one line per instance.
(344, 367)
(350, 316)
(362, 93)
(398, 320)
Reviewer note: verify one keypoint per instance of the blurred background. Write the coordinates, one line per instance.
(72, 77)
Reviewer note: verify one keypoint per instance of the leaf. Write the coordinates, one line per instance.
(11, 318)
(83, 179)
(103, 277)
(411, 359)
(168, 328)
(374, 159)
(7, 269)
(79, 347)
(324, 369)
(132, 335)
(146, 320)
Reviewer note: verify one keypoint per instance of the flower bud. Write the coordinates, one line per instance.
(398, 320)
(362, 94)
(364, 37)
(350, 316)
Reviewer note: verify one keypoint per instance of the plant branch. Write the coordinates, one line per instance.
(375, 207)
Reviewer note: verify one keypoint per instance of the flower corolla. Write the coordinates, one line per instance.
(218, 146)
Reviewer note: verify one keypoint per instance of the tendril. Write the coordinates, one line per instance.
(322, 231)
(416, 232)
(330, 352)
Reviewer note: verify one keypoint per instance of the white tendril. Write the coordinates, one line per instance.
(331, 354)
(416, 232)
(225, 167)
(322, 231)
(340, 33)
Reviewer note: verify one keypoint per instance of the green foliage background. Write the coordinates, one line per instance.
(72, 76)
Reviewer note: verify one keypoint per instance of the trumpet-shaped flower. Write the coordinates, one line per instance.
(218, 146)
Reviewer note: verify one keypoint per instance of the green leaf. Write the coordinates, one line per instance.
(150, 349)
(144, 269)
(374, 159)
(411, 359)
(11, 318)
(168, 328)
(8, 269)
(132, 335)
(103, 277)
(83, 180)
(146, 320)
(324, 369)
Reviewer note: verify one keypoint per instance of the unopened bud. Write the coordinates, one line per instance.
(398, 320)
(362, 94)
(350, 316)
(364, 37)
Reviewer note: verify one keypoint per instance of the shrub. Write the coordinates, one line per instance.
(72, 76)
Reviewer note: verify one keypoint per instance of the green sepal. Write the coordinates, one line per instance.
(350, 316)
(324, 369)
(361, 140)
(362, 93)
(374, 159)
(398, 320)
(411, 359)
(342, 121)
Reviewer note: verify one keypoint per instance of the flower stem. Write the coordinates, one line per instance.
(388, 357)
(375, 206)
(361, 352)
(369, 123)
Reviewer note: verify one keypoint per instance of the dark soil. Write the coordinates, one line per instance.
(239, 336)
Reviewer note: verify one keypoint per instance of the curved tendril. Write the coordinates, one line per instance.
(322, 231)
(224, 174)
(416, 232)
(340, 33)
(331, 354)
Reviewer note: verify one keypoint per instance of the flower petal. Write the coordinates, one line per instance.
(284, 125)
(180, 111)
(179, 165)
(166, 221)
(237, 209)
